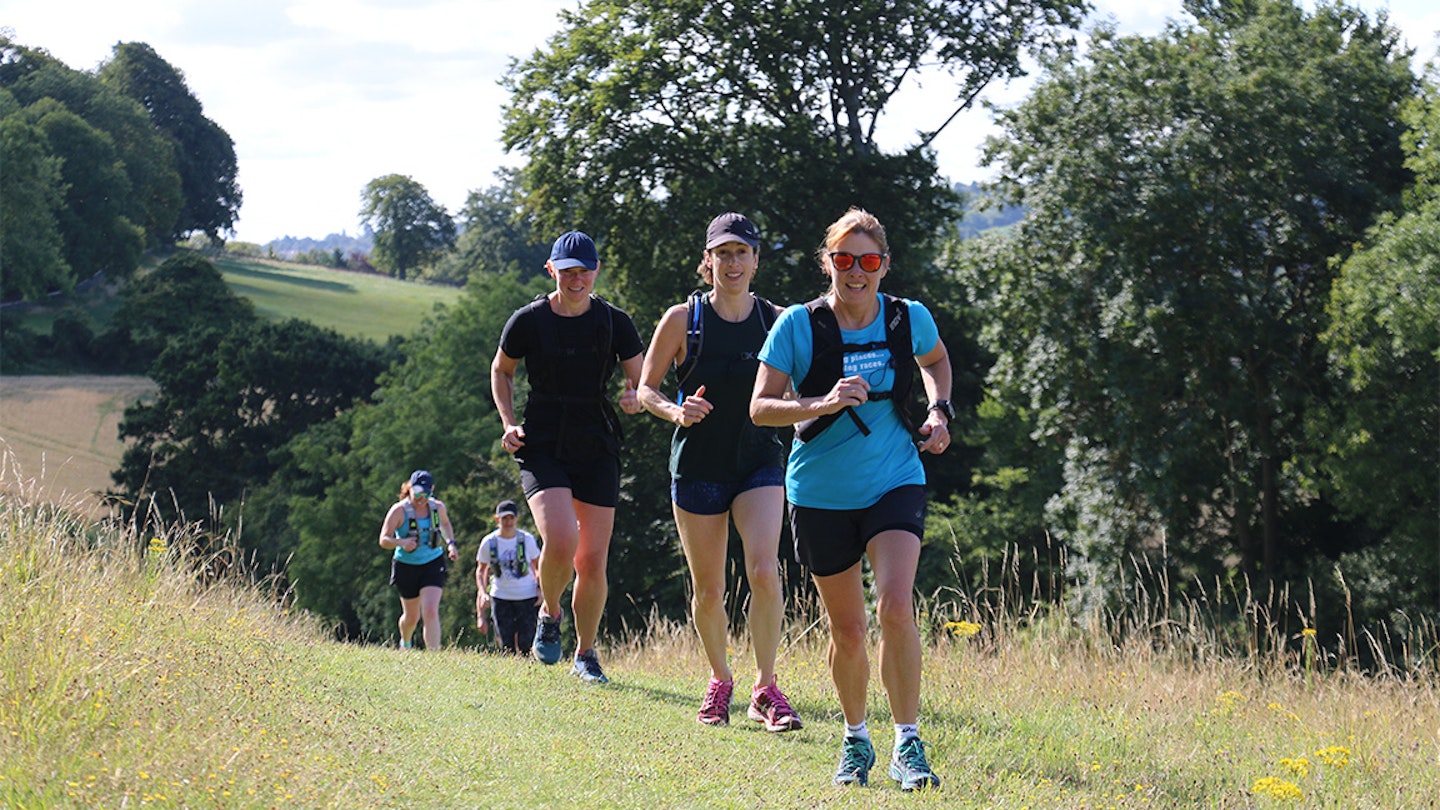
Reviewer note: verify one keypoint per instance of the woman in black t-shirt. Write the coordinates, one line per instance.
(569, 443)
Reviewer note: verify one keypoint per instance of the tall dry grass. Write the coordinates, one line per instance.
(137, 671)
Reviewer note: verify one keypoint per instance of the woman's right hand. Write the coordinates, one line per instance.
(848, 392)
(409, 544)
(514, 439)
(694, 408)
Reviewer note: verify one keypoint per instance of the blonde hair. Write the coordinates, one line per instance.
(856, 220)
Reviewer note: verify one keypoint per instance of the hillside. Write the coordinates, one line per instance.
(124, 681)
(361, 305)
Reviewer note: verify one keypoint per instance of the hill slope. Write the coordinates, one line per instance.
(123, 681)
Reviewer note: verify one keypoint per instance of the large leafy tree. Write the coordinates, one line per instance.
(204, 151)
(1384, 460)
(31, 195)
(147, 155)
(411, 229)
(641, 121)
(96, 234)
(1160, 309)
(496, 236)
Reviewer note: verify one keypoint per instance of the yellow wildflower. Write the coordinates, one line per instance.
(1279, 788)
(962, 629)
(1299, 766)
(1335, 756)
(1308, 632)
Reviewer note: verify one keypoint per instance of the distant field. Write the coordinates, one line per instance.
(353, 304)
(58, 434)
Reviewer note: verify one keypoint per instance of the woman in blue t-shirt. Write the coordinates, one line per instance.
(418, 528)
(854, 481)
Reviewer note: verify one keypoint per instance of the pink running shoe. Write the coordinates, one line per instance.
(715, 708)
(769, 706)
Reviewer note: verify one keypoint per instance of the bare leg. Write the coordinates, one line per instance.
(409, 618)
(592, 555)
(894, 556)
(759, 514)
(704, 538)
(554, 512)
(844, 597)
(430, 615)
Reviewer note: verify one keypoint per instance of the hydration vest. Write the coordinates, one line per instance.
(543, 385)
(827, 363)
(412, 524)
(522, 567)
(695, 334)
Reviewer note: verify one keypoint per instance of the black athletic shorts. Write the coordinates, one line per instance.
(409, 578)
(596, 481)
(829, 541)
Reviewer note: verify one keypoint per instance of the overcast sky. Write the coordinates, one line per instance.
(322, 96)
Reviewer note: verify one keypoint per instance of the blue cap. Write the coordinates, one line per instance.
(574, 249)
(421, 483)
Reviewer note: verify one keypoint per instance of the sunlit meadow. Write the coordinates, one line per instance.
(136, 671)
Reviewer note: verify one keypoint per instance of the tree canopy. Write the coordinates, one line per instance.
(411, 230)
(204, 152)
(133, 160)
(640, 122)
(1160, 308)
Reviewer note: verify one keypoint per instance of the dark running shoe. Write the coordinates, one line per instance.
(857, 756)
(715, 708)
(547, 640)
(909, 768)
(587, 668)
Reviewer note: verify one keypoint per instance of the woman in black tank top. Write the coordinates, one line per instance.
(722, 465)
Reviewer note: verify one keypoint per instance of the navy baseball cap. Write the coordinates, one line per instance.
(731, 227)
(507, 507)
(421, 483)
(574, 249)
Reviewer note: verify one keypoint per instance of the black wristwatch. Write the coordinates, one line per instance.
(944, 406)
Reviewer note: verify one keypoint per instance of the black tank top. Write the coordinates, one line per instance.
(725, 446)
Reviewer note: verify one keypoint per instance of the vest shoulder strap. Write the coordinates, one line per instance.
(827, 362)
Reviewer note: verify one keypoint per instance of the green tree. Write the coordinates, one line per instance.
(147, 155)
(411, 230)
(1383, 464)
(641, 121)
(496, 236)
(1159, 310)
(96, 234)
(31, 194)
(205, 154)
(184, 293)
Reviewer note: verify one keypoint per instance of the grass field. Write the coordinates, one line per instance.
(61, 432)
(133, 673)
(354, 304)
